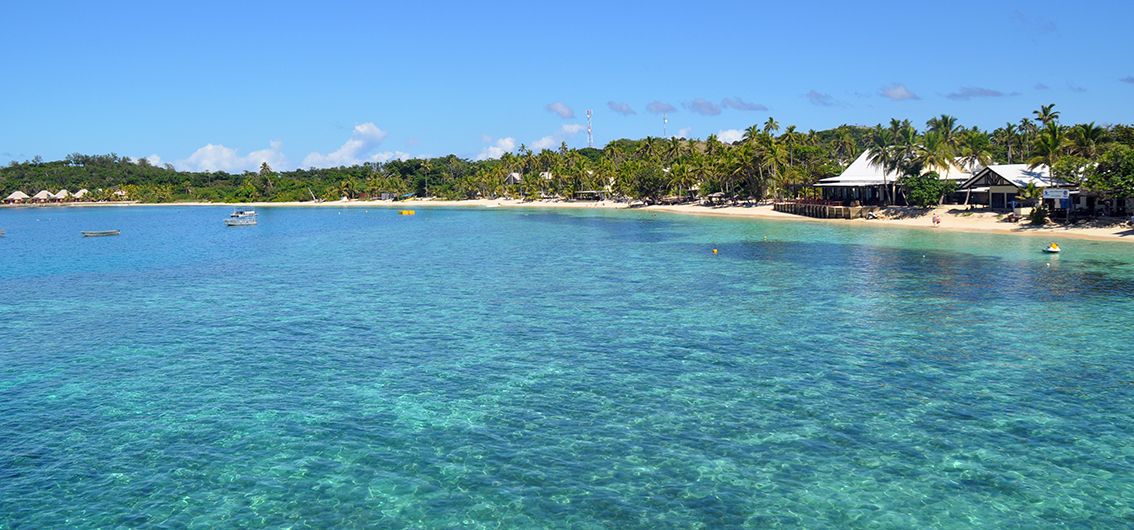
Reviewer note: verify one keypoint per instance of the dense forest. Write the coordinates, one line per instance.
(769, 161)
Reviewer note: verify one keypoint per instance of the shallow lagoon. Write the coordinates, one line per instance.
(517, 368)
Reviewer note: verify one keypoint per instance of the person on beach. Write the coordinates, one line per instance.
(936, 220)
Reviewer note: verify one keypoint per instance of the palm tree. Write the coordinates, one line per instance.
(947, 127)
(1007, 137)
(1049, 147)
(648, 148)
(1085, 139)
(790, 139)
(1046, 114)
(933, 153)
(845, 146)
(975, 151)
(907, 145)
(673, 149)
(1028, 131)
(712, 144)
(751, 134)
(771, 125)
(346, 188)
(884, 154)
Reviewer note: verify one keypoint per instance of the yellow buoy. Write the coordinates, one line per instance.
(406, 212)
(714, 251)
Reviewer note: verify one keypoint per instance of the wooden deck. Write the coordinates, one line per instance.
(823, 211)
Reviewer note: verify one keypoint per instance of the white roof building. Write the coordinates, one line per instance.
(17, 196)
(43, 195)
(63, 194)
(1018, 175)
(81, 193)
(863, 172)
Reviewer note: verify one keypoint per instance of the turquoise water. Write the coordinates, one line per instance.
(516, 369)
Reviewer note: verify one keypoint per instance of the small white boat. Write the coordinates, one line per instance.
(241, 218)
(100, 233)
(1052, 249)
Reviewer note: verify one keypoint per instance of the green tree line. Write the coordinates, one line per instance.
(768, 161)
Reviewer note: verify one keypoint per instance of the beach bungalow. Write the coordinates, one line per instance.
(513, 178)
(16, 197)
(43, 196)
(863, 181)
(81, 194)
(997, 186)
(62, 196)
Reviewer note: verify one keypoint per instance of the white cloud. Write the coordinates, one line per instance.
(561, 109)
(547, 142)
(729, 136)
(684, 132)
(356, 150)
(154, 160)
(386, 156)
(497, 149)
(898, 92)
(215, 157)
(550, 141)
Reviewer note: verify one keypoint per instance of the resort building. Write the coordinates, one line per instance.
(862, 181)
(62, 195)
(998, 185)
(513, 178)
(43, 196)
(16, 197)
(81, 194)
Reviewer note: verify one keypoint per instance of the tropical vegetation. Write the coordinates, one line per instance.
(767, 161)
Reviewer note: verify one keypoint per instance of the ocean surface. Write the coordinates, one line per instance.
(494, 368)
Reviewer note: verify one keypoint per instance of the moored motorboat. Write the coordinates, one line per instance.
(1053, 249)
(241, 218)
(100, 233)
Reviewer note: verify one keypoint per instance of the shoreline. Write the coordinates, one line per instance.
(952, 219)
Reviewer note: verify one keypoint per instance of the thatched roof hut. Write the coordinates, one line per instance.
(16, 196)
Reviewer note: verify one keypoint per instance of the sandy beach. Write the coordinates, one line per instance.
(953, 218)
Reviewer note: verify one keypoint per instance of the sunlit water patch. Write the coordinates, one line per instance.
(353, 368)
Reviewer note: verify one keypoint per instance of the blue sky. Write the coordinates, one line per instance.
(224, 85)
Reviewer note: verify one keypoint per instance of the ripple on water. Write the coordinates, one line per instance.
(570, 369)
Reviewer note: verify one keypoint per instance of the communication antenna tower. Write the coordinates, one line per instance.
(665, 125)
(590, 137)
